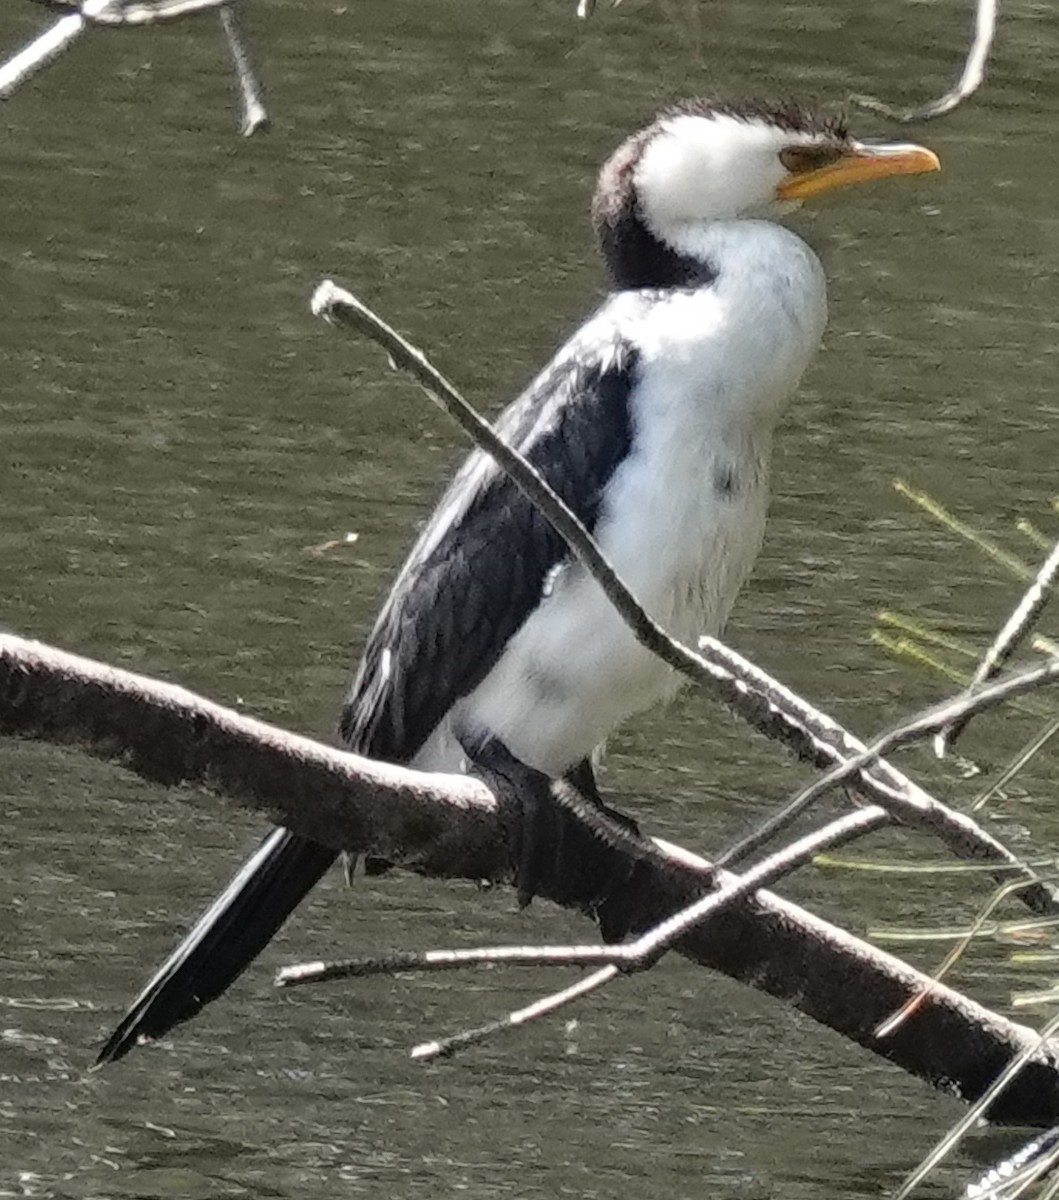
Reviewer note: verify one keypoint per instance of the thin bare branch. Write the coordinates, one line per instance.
(748, 691)
(587, 8)
(948, 713)
(1024, 756)
(1012, 1178)
(340, 307)
(45, 48)
(977, 1111)
(48, 46)
(629, 956)
(153, 12)
(432, 961)
(969, 82)
(254, 117)
(446, 1047)
(645, 950)
(956, 952)
(1013, 633)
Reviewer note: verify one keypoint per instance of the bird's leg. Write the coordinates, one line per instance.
(579, 792)
(563, 839)
(582, 779)
(537, 836)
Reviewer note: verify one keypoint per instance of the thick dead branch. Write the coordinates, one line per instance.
(450, 825)
(172, 736)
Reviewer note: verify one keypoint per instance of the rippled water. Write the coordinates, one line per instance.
(180, 437)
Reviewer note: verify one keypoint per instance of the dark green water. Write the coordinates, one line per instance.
(178, 435)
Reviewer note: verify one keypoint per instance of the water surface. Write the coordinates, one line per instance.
(179, 436)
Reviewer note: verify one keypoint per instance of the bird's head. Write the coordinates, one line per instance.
(705, 161)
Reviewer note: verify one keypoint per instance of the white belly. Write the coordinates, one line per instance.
(684, 514)
(574, 671)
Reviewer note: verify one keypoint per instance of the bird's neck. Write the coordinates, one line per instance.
(681, 256)
(736, 349)
(637, 258)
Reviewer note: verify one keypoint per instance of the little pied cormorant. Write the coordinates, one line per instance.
(654, 423)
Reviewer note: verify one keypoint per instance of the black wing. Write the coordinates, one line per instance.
(477, 570)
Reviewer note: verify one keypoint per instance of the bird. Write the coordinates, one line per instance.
(654, 422)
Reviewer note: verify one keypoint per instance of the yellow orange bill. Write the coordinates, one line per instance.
(861, 162)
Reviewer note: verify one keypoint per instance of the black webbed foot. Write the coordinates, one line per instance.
(537, 828)
(563, 838)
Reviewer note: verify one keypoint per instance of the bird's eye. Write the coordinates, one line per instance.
(799, 159)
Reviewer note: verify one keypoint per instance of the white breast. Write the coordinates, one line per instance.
(684, 514)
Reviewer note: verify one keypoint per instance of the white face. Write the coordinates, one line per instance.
(697, 169)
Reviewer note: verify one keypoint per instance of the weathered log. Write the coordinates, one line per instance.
(453, 826)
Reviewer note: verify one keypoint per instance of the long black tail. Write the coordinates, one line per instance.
(225, 940)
